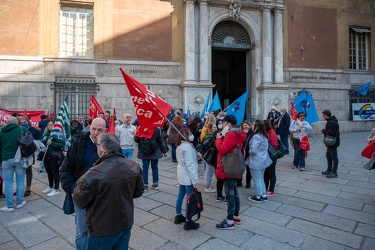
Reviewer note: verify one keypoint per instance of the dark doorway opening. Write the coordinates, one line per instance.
(229, 74)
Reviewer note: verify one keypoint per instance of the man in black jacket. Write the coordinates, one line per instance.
(332, 129)
(283, 128)
(80, 157)
(107, 191)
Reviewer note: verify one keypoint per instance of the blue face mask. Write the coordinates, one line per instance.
(25, 125)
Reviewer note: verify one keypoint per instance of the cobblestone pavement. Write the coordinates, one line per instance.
(308, 211)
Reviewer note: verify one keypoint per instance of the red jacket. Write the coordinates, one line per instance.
(273, 138)
(227, 145)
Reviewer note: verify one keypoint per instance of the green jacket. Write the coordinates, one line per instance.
(56, 144)
(8, 141)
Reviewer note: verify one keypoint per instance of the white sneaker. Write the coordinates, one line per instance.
(210, 190)
(21, 205)
(7, 209)
(46, 191)
(53, 193)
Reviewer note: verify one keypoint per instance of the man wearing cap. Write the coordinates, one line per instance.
(125, 132)
(273, 116)
(299, 129)
(226, 142)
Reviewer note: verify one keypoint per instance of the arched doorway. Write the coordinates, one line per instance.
(230, 62)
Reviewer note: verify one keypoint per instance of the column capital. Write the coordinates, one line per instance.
(278, 9)
(203, 2)
(266, 8)
(189, 1)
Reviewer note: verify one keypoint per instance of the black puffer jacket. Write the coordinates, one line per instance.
(333, 129)
(107, 192)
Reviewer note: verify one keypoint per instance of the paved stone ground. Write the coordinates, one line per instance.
(308, 211)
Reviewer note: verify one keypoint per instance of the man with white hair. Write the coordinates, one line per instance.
(125, 132)
(273, 116)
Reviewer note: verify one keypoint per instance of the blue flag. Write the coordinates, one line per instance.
(215, 104)
(237, 108)
(206, 105)
(305, 103)
(363, 89)
(188, 115)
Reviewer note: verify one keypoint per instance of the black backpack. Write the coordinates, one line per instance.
(148, 146)
(194, 204)
(27, 145)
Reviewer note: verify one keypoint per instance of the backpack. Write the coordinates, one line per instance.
(27, 145)
(148, 146)
(194, 204)
(234, 162)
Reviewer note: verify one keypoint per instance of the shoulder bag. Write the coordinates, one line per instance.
(234, 162)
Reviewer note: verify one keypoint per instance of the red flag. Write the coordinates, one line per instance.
(24, 113)
(95, 108)
(111, 128)
(293, 111)
(150, 109)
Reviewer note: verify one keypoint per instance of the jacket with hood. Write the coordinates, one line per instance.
(228, 145)
(333, 129)
(8, 140)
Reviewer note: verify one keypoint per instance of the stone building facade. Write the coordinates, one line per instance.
(184, 49)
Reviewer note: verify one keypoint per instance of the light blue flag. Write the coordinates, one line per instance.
(305, 103)
(363, 89)
(237, 108)
(215, 104)
(206, 105)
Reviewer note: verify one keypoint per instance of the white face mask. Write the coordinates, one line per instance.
(220, 126)
(191, 137)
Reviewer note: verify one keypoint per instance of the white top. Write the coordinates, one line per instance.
(258, 153)
(126, 135)
(296, 125)
(187, 166)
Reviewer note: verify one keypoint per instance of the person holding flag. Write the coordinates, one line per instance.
(52, 159)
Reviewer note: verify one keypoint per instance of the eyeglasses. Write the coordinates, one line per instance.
(129, 117)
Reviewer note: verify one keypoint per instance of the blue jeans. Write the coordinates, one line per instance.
(155, 171)
(231, 192)
(285, 141)
(260, 187)
(128, 153)
(9, 168)
(114, 241)
(210, 170)
(174, 147)
(299, 155)
(81, 228)
(182, 191)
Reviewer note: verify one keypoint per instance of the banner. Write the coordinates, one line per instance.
(33, 114)
(215, 104)
(363, 111)
(237, 108)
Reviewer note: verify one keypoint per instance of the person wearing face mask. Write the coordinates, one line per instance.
(107, 191)
(283, 128)
(187, 175)
(226, 142)
(219, 181)
(209, 142)
(273, 116)
(299, 129)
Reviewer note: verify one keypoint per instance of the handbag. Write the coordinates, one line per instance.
(276, 153)
(211, 156)
(369, 150)
(68, 205)
(304, 144)
(329, 141)
(234, 162)
(41, 155)
(199, 147)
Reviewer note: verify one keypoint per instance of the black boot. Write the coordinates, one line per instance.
(191, 225)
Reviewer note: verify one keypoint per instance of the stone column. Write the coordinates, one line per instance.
(266, 51)
(203, 41)
(189, 41)
(278, 46)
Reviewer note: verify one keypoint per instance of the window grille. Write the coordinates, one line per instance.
(79, 91)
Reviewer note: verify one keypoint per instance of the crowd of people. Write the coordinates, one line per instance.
(99, 166)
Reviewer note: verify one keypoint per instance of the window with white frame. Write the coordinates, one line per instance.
(76, 31)
(359, 48)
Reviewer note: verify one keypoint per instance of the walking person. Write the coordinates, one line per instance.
(52, 160)
(227, 142)
(332, 128)
(299, 129)
(80, 157)
(8, 148)
(107, 192)
(270, 172)
(159, 149)
(259, 160)
(125, 132)
(283, 128)
(187, 175)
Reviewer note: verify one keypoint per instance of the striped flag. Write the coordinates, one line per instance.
(61, 128)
